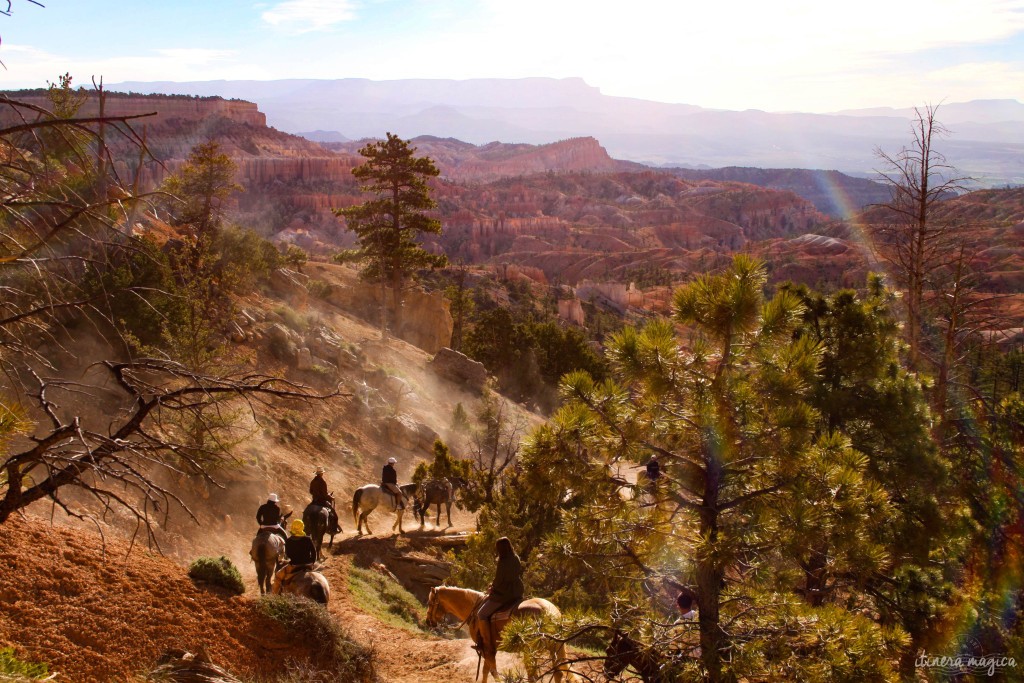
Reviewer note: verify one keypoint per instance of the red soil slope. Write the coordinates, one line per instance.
(96, 619)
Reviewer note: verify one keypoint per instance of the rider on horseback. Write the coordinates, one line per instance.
(389, 483)
(269, 516)
(323, 498)
(653, 468)
(506, 590)
(301, 555)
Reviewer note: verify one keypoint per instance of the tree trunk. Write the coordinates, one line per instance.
(710, 573)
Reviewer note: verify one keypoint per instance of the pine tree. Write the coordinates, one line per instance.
(389, 226)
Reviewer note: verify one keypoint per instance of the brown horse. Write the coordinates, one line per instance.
(434, 492)
(462, 604)
(317, 521)
(308, 584)
(623, 651)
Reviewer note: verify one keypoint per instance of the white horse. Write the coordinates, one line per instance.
(366, 499)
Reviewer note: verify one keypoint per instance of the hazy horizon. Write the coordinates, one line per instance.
(789, 56)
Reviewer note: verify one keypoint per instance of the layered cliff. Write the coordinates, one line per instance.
(163, 107)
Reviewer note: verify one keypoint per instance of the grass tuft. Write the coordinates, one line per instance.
(386, 599)
(17, 670)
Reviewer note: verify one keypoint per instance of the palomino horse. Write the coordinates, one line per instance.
(462, 603)
(435, 492)
(266, 551)
(366, 499)
(317, 521)
(308, 584)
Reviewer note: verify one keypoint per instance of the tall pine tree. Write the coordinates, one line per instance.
(388, 226)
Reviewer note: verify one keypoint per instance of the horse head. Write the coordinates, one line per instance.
(435, 613)
(620, 653)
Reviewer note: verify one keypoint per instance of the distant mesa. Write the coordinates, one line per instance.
(986, 144)
(324, 136)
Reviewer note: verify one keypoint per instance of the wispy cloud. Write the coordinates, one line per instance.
(301, 16)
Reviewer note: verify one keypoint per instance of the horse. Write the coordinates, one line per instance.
(308, 584)
(317, 521)
(366, 499)
(462, 604)
(623, 651)
(435, 492)
(266, 551)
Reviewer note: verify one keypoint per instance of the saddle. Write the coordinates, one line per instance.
(287, 573)
(488, 638)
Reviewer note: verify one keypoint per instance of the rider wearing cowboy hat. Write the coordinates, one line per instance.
(269, 515)
(323, 498)
(389, 483)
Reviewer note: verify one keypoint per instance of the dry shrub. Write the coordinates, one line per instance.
(336, 656)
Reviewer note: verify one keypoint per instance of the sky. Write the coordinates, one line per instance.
(785, 55)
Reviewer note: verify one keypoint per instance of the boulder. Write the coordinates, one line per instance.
(460, 369)
(281, 342)
(404, 432)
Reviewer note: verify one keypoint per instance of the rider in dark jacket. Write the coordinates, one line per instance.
(299, 547)
(318, 489)
(506, 590)
(322, 497)
(269, 515)
(653, 468)
(389, 482)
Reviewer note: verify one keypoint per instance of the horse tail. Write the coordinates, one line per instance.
(317, 593)
(355, 504)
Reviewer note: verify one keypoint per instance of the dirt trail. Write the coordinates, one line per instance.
(404, 656)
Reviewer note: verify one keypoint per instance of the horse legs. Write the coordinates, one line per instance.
(448, 511)
(364, 518)
(561, 666)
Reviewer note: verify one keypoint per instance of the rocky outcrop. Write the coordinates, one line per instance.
(571, 310)
(460, 369)
(614, 292)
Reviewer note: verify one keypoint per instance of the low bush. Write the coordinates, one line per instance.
(17, 670)
(217, 571)
(336, 655)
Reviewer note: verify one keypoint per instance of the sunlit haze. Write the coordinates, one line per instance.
(792, 55)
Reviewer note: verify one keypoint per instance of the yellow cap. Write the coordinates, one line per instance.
(297, 528)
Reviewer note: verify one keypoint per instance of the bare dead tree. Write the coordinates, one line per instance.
(910, 237)
(117, 463)
(107, 433)
(495, 443)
